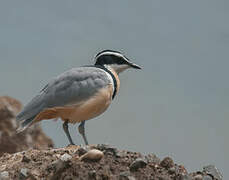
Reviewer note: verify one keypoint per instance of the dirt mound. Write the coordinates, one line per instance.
(95, 162)
(12, 142)
(75, 162)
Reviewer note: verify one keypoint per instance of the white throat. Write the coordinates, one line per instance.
(118, 68)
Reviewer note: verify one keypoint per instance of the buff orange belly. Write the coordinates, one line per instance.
(89, 109)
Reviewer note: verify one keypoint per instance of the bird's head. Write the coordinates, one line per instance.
(115, 60)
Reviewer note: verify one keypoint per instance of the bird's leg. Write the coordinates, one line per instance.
(82, 132)
(65, 127)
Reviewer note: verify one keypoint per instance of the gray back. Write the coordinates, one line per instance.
(71, 87)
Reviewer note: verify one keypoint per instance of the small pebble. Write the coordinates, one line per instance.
(81, 151)
(24, 172)
(185, 177)
(65, 157)
(182, 169)
(107, 149)
(4, 174)
(152, 158)
(25, 159)
(92, 155)
(125, 173)
(60, 166)
(92, 174)
(126, 176)
(207, 178)
(138, 163)
(213, 171)
(102, 147)
(118, 154)
(112, 150)
(167, 163)
(198, 177)
(172, 170)
(2, 168)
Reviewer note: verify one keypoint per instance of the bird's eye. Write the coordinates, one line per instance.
(121, 61)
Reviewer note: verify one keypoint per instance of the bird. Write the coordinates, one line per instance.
(79, 94)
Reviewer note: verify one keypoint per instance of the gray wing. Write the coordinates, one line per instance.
(71, 87)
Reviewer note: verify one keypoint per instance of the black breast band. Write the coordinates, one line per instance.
(113, 77)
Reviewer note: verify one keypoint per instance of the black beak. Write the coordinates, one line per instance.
(135, 66)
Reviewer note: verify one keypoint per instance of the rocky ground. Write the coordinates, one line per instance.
(105, 163)
(31, 155)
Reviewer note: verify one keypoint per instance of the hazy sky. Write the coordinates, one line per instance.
(176, 106)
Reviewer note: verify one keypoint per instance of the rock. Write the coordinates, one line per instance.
(23, 173)
(12, 142)
(65, 157)
(152, 158)
(182, 170)
(163, 177)
(108, 150)
(92, 155)
(207, 178)
(126, 176)
(60, 166)
(4, 175)
(172, 170)
(184, 177)
(25, 159)
(81, 151)
(3, 167)
(198, 177)
(102, 147)
(119, 154)
(167, 163)
(92, 175)
(138, 163)
(104, 176)
(213, 171)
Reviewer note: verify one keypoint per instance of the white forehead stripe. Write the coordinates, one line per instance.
(111, 53)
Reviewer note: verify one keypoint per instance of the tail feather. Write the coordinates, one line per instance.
(32, 108)
(30, 111)
(26, 123)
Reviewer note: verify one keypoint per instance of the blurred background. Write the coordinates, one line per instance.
(176, 106)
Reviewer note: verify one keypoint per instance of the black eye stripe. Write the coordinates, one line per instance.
(110, 59)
